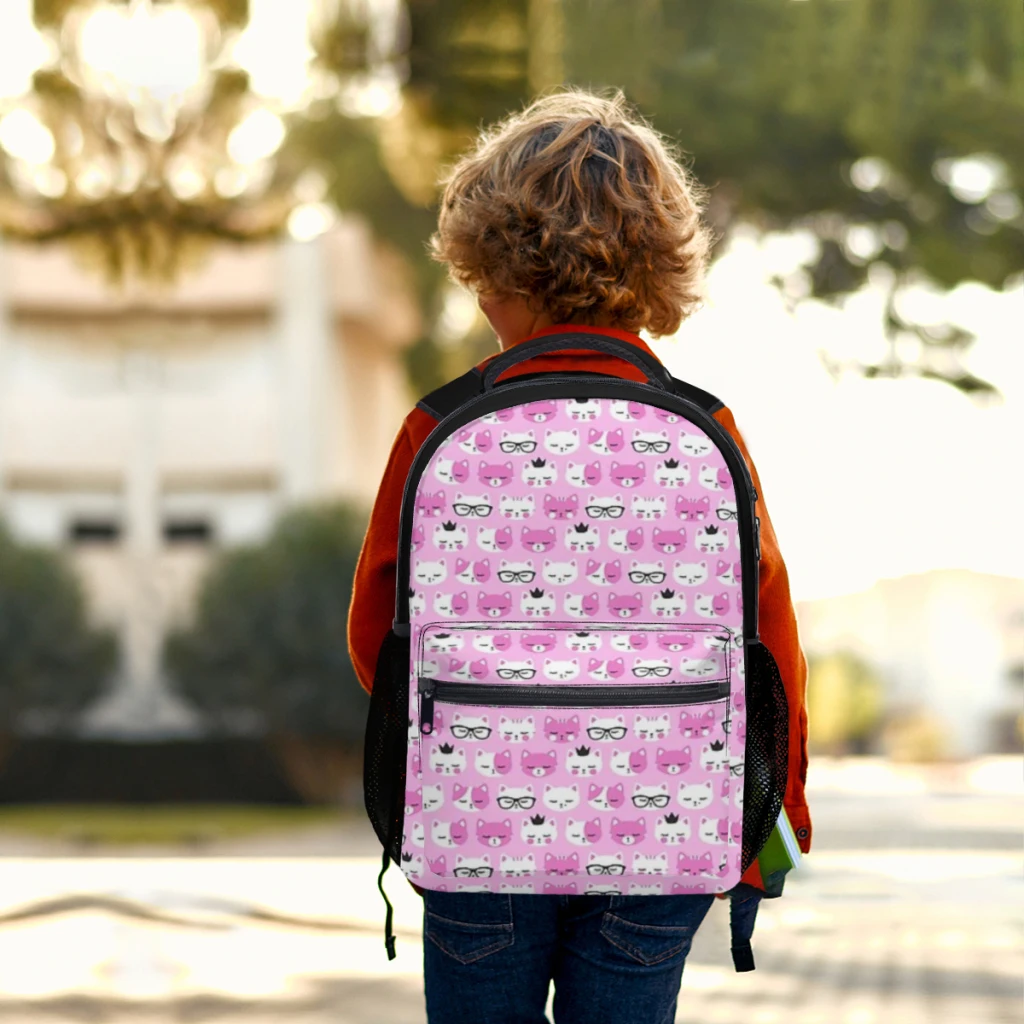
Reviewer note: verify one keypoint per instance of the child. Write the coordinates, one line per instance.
(570, 216)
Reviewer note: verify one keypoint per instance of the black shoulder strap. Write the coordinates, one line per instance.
(443, 401)
(704, 399)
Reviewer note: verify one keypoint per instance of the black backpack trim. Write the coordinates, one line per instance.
(448, 397)
(451, 397)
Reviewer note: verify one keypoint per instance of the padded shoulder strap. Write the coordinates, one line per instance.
(443, 401)
(704, 399)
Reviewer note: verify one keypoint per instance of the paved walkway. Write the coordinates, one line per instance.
(913, 918)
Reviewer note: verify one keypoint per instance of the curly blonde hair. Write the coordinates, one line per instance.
(579, 206)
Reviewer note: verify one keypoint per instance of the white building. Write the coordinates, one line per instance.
(143, 431)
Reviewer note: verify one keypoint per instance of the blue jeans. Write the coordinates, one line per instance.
(489, 958)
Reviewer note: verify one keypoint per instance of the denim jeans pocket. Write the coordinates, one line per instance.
(647, 944)
(468, 926)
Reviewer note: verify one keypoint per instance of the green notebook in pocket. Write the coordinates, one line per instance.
(781, 852)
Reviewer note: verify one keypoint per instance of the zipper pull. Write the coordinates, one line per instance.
(426, 706)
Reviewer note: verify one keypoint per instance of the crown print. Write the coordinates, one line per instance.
(406, 857)
(717, 745)
(410, 592)
(666, 593)
(581, 528)
(671, 463)
(710, 530)
(583, 751)
(671, 819)
(448, 526)
(538, 463)
(536, 592)
(442, 636)
(446, 748)
(582, 636)
(537, 819)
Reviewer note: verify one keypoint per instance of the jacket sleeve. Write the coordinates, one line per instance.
(372, 608)
(777, 624)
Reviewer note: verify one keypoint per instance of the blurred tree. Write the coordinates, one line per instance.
(844, 704)
(891, 130)
(53, 664)
(267, 651)
(894, 131)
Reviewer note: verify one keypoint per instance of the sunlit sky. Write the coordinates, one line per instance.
(864, 479)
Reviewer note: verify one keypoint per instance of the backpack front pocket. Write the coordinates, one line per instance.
(549, 787)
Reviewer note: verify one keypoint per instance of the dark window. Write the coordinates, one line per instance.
(94, 531)
(188, 531)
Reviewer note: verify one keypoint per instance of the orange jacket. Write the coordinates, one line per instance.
(373, 594)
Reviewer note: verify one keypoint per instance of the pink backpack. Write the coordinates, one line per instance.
(573, 698)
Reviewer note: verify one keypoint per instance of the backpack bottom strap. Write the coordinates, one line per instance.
(742, 915)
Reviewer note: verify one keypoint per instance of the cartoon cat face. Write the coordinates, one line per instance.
(694, 444)
(516, 506)
(583, 833)
(516, 730)
(561, 798)
(539, 473)
(561, 670)
(628, 833)
(650, 864)
(651, 727)
(560, 573)
(561, 729)
(445, 759)
(671, 829)
(690, 574)
(583, 760)
(648, 508)
(430, 573)
(517, 867)
(538, 830)
(450, 536)
(561, 442)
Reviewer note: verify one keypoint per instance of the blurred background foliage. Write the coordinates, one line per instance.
(265, 652)
(845, 697)
(894, 131)
(53, 664)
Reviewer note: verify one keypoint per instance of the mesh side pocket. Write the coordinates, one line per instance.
(387, 729)
(767, 755)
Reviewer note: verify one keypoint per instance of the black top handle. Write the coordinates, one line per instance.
(655, 373)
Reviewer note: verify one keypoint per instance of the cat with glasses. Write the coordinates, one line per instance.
(516, 803)
(646, 574)
(643, 447)
(644, 670)
(523, 573)
(650, 796)
(515, 670)
(471, 732)
(600, 733)
(604, 508)
(472, 508)
(518, 444)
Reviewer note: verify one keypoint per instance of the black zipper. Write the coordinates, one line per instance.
(553, 696)
(567, 387)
